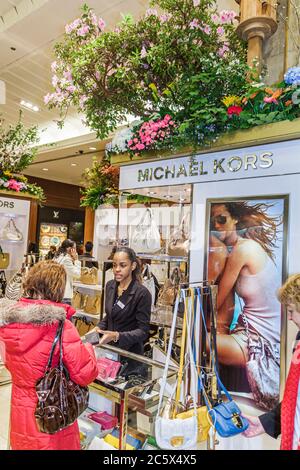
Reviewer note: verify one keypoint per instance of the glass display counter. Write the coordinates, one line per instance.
(134, 387)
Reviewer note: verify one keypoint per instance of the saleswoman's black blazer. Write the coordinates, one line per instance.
(132, 321)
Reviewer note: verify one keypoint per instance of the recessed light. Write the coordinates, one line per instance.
(13, 49)
(151, 193)
(30, 106)
(73, 164)
(93, 148)
(45, 169)
(168, 196)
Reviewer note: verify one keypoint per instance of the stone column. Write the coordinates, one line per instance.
(257, 23)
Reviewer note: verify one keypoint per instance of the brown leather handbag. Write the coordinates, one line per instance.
(60, 400)
(168, 293)
(179, 242)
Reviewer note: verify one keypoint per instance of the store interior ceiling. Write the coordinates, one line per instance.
(29, 30)
(171, 194)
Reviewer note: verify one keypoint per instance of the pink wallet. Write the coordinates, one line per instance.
(107, 368)
(104, 419)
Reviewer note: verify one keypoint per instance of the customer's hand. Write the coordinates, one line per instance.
(255, 427)
(74, 254)
(108, 336)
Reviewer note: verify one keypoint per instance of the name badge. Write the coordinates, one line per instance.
(120, 304)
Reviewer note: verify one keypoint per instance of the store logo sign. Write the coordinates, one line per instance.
(55, 214)
(195, 168)
(7, 204)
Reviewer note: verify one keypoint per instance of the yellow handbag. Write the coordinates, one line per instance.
(4, 259)
(89, 276)
(204, 424)
(92, 304)
(77, 300)
(83, 326)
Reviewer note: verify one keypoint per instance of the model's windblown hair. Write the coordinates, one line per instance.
(255, 223)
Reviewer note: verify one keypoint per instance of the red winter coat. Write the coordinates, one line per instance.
(27, 331)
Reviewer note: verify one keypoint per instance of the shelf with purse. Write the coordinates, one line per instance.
(128, 390)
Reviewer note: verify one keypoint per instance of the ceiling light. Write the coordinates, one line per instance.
(168, 196)
(30, 106)
(45, 169)
(151, 193)
(73, 164)
(93, 148)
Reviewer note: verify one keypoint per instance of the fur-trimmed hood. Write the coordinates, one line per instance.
(36, 313)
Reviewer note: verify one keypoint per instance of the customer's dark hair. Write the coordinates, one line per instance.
(62, 250)
(136, 274)
(45, 280)
(88, 247)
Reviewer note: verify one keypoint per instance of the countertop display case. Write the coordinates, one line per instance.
(136, 387)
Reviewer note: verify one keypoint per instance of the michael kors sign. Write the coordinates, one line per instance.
(267, 160)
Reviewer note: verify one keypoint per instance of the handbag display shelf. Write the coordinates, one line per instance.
(131, 397)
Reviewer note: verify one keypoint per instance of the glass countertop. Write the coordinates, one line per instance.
(136, 372)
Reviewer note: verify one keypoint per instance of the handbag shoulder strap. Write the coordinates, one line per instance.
(220, 384)
(58, 336)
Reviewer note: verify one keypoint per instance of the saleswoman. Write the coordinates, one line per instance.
(127, 305)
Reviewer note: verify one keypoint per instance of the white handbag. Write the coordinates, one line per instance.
(145, 237)
(169, 432)
(11, 232)
(148, 281)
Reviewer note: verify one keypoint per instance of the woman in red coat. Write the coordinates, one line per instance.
(27, 331)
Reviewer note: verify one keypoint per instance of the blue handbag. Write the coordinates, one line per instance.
(226, 416)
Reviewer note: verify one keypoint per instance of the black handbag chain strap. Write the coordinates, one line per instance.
(58, 337)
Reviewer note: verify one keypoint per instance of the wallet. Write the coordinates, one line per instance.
(107, 368)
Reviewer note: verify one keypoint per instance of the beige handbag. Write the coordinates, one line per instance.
(77, 300)
(168, 293)
(4, 259)
(92, 304)
(179, 241)
(89, 276)
(83, 326)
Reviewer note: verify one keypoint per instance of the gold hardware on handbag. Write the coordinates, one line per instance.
(92, 304)
(4, 259)
(89, 276)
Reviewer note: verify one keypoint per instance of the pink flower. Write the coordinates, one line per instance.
(71, 89)
(68, 76)
(151, 12)
(215, 18)
(135, 141)
(227, 16)
(166, 17)
(270, 99)
(194, 24)
(55, 80)
(206, 29)
(168, 117)
(14, 185)
(48, 98)
(54, 66)
(220, 31)
(97, 75)
(196, 3)
(83, 31)
(101, 24)
(70, 27)
(222, 51)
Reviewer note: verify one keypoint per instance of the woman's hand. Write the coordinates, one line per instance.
(74, 254)
(108, 336)
(255, 427)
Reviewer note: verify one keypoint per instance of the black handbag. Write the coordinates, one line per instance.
(60, 400)
(3, 283)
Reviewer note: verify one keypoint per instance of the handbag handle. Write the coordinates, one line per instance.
(58, 336)
(148, 213)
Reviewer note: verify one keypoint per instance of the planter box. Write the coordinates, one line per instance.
(16, 194)
(258, 135)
